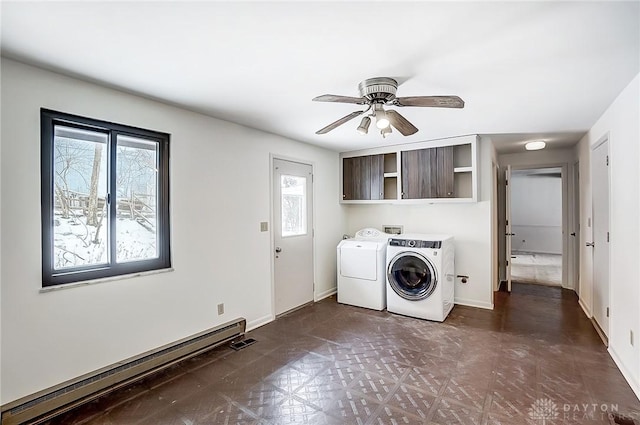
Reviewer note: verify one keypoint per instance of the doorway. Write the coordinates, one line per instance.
(292, 234)
(535, 209)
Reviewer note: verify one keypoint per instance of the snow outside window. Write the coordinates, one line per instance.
(136, 226)
(79, 198)
(293, 191)
(105, 199)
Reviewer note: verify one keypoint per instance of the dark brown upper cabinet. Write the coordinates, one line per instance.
(428, 173)
(363, 177)
(435, 171)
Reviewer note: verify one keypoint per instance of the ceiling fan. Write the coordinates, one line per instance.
(377, 93)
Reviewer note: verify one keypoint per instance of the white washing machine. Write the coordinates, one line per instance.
(362, 269)
(420, 276)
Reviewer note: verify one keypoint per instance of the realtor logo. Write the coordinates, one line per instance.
(543, 410)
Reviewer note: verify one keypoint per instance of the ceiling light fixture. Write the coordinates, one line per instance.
(363, 128)
(381, 117)
(385, 131)
(535, 146)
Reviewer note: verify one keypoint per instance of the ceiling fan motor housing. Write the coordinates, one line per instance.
(378, 90)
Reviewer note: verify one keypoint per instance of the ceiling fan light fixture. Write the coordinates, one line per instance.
(535, 146)
(377, 92)
(385, 131)
(363, 128)
(381, 117)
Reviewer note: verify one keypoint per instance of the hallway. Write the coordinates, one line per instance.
(334, 364)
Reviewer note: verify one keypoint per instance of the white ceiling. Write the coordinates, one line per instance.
(525, 69)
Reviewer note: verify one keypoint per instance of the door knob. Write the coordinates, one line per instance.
(509, 234)
(592, 244)
(278, 249)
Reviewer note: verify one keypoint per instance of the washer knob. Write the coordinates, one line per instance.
(411, 244)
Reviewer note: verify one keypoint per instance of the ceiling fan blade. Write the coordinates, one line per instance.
(400, 123)
(431, 101)
(340, 99)
(339, 122)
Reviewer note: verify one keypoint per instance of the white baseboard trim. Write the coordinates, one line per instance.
(326, 294)
(625, 372)
(585, 308)
(261, 321)
(473, 303)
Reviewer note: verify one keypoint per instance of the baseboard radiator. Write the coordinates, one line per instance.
(44, 405)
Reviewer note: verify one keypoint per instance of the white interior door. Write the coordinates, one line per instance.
(600, 244)
(293, 234)
(507, 217)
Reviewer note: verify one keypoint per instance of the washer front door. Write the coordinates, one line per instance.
(412, 276)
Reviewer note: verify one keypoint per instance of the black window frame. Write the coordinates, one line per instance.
(51, 277)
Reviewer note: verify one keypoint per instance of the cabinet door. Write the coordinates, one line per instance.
(348, 178)
(427, 173)
(362, 177)
(377, 176)
(418, 173)
(444, 173)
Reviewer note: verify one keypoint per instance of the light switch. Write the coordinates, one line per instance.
(264, 226)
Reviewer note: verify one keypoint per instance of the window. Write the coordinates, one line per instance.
(294, 205)
(105, 199)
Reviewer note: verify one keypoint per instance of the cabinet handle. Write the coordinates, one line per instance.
(449, 193)
(344, 196)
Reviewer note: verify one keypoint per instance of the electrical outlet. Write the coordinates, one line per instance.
(631, 337)
(220, 309)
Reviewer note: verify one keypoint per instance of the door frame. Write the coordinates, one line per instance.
(567, 211)
(272, 243)
(495, 205)
(576, 227)
(508, 231)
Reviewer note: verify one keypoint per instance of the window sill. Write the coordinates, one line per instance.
(103, 280)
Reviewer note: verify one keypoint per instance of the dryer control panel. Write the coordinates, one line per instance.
(411, 243)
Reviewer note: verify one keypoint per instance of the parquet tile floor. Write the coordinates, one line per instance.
(329, 363)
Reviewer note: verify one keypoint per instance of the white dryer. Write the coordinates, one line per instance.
(361, 269)
(420, 276)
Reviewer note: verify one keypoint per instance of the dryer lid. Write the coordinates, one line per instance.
(371, 233)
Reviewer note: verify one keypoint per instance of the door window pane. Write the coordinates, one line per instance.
(293, 191)
(79, 198)
(136, 226)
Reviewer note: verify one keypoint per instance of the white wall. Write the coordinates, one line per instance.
(620, 122)
(220, 191)
(469, 223)
(536, 213)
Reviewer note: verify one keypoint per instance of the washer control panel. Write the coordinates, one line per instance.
(411, 243)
